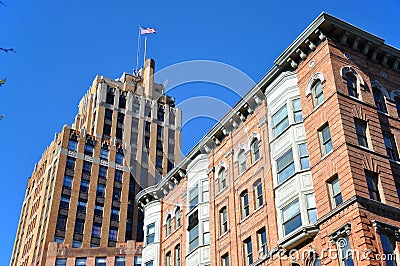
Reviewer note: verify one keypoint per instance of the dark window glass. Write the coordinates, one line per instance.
(351, 81)
(96, 230)
(117, 194)
(84, 186)
(122, 101)
(372, 183)
(79, 226)
(61, 222)
(389, 249)
(361, 130)
(101, 190)
(82, 206)
(326, 141)
(304, 159)
(70, 163)
(119, 158)
(110, 96)
(118, 175)
(255, 152)
(104, 154)
(262, 242)
(248, 251)
(391, 148)
(285, 166)
(297, 114)
(87, 167)
(318, 93)
(258, 194)
(107, 130)
(61, 262)
(101, 261)
(336, 192)
(103, 171)
(98, 210)
(291, 217)
(89, 149)
(245, 204)
(379, 100)
(150, 233)
(64, 202)
(72, 145)
(113, 235)
(224, 220)
(67, 183)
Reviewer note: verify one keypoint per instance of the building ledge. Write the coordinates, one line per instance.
(300, 235)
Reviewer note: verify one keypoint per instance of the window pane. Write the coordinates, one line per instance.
(290, 210)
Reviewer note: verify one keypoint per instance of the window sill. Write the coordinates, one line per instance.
(223, 235)
(285, 130)
(394, 161)
(326, 155)
(245, 218)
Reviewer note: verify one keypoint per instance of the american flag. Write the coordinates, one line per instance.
(147, 30)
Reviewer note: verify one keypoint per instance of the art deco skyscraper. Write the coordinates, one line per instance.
(126, 135)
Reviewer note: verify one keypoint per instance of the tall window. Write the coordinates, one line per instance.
(242, 161)
(391, 148)
(114, 214)
(206, 233)
(79, 226)
(110, 96)
(317, 93)
(225, 259)
(118, 175)
(255, 152)
(372, 183)
(244, 196)
(325, 139)
(280, 121)
(122, 101)
(168, 259)
(120, 261)
(223, 213)
(361, 130)
(72, 145)
(205, 193)
(178, 255)
(397, 100)
(351, 81)
(345, 254)
(177, 217)
(222, 178)
(379, 100)
(285, 166)
(258, 194)
(248, 251)
(389, 248)
(168, 225)
(101, 261)
(291, 217)
(304, 159)
(311, 208)
(194, 197)
(82, 206)
(335, 192)
(297, 114)
(262, 242)
(193, 229)
(150, 233)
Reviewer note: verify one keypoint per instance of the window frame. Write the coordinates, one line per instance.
(290, 164)
(168, 225)
(361, 132)
(392, 151)
(311, 209)
(352, 85)
(258, 194)
(373, 185)
(193, 198)
(379, 100)
(255, 150)
(150, 233)
(325, 142)
(222, 178)
(297, 112)
(317, 99)
(248, 251)
(242, 166)
(304, 156)
(292, 217)
(262, 242)
(245, 204)
(336, 197)
(223, 214)
(277, 123)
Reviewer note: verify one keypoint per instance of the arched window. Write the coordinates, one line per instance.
(255, 153)
(317, 93)
(169, 224)
(177, 217)
(242, 161)
(379, 100)
(221, 178)
(351, 81)
(244, 196)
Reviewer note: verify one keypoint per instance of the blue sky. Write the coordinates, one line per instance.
(62, 45)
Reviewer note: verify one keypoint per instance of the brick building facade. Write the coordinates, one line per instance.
(80, 199)
(304, 170)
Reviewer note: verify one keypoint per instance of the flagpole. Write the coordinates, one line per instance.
(137, 52)
(145, 48)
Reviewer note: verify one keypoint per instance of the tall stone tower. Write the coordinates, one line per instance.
(79, 201)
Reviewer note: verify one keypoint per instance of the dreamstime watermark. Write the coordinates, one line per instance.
(340, 251)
